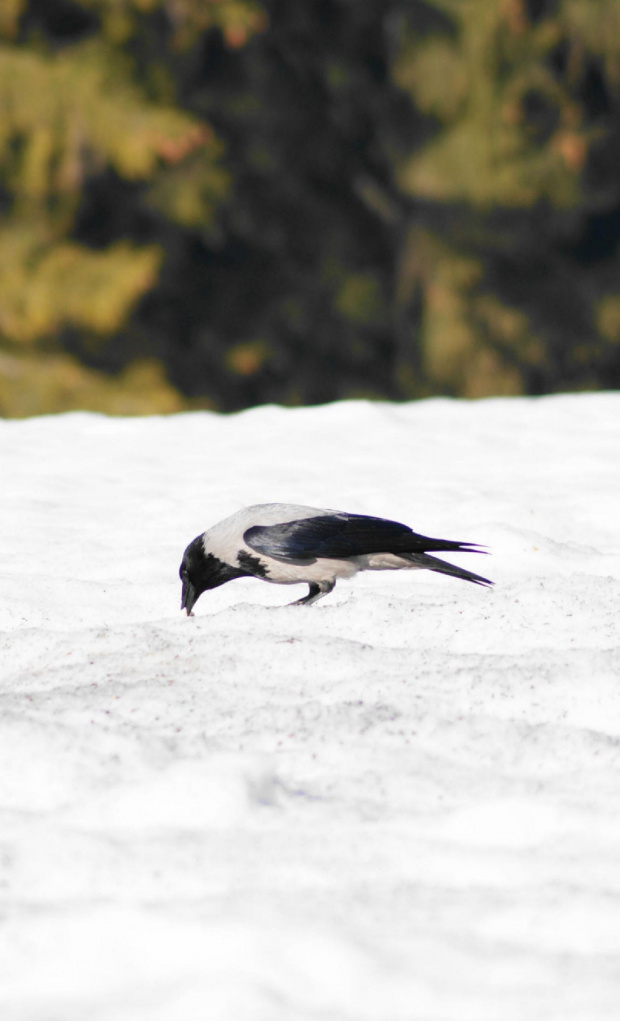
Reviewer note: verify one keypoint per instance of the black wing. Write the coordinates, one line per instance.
(339, 536)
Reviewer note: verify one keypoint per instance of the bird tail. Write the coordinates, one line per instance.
(424, 544)
(422, 560)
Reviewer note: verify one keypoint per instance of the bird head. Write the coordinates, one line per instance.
(195, 574)
(201, 570)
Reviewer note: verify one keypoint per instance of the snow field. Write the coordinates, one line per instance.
(401, 803)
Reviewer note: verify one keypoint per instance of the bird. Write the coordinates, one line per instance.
(286, 544)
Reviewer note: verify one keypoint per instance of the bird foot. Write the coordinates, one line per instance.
(316, 592)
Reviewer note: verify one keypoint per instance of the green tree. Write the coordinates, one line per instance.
(525, 97)
(82, 100)
(220, 202)
(418, 194)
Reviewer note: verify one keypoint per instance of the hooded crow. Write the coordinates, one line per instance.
(287, 544)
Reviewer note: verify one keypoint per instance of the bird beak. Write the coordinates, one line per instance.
(188, 597)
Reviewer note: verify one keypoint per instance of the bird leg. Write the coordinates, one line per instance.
(316, 591)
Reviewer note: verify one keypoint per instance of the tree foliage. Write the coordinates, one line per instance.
(224, 202)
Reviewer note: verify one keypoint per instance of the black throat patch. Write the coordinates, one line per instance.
(251, 565)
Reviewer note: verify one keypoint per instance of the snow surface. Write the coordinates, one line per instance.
(400, 804)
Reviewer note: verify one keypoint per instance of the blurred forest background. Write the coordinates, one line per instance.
(221, 203)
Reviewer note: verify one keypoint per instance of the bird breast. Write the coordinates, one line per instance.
(320, 570)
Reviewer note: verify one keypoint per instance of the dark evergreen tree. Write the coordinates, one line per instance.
(220, 202)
